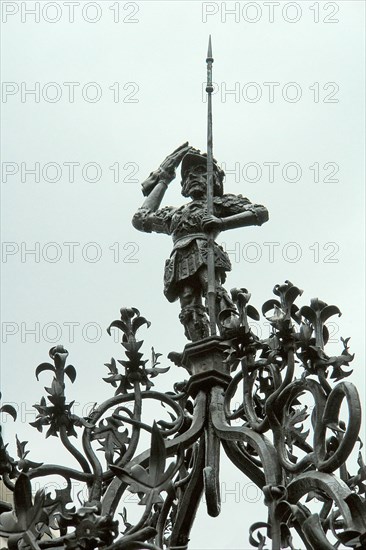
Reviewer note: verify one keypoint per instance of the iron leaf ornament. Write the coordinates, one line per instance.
(292, 434)
(287, 381)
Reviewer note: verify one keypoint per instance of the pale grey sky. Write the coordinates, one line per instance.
(111, 99)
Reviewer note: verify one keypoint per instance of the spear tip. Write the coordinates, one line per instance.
(209, 50)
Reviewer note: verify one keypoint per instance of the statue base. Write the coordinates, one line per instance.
(205, 361)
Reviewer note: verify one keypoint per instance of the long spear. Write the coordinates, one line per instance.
(211, 286)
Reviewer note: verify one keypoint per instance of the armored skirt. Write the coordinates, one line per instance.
(187, 257)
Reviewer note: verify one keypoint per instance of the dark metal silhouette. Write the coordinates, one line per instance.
(197, 267)
(296, 425)
(186, 271)
(268, 442)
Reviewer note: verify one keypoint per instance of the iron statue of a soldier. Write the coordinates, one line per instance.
(185, 276)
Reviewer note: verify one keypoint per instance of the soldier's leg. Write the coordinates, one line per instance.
(193, 313)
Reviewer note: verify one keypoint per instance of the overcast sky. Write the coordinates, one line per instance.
(116, 87)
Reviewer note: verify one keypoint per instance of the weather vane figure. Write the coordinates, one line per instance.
(295, 468)
(186, 271)
(197, 265)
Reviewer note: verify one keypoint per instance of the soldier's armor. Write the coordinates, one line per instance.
(190, 243)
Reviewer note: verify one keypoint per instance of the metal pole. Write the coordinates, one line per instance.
(211, 288)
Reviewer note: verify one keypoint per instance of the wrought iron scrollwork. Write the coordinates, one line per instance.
(287, 435)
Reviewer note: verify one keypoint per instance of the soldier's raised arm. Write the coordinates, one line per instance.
(155, 185)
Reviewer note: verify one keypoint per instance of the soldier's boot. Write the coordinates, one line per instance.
(195, 322)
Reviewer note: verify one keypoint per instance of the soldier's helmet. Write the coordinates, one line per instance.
(196, 158)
